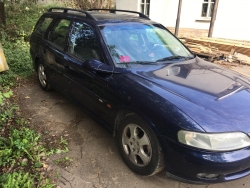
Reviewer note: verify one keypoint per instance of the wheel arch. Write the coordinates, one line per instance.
(37, 59)
(156, 163)
(125, 111)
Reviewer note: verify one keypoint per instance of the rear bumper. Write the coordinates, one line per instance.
(185, 163)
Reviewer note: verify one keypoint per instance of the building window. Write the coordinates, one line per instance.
(207, 8)
(145, 6)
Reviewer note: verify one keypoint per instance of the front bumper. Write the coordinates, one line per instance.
(186, 163)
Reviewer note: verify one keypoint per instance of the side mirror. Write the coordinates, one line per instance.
(95, 65)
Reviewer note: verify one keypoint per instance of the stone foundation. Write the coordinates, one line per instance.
(190, 32)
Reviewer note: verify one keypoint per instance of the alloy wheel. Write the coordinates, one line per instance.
(136, 145)
(42, 76)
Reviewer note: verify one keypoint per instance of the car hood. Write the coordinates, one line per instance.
(217, 99)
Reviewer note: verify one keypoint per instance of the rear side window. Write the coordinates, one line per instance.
(58, 34)
(42, 26)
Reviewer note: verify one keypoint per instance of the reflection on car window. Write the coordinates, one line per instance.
(83, 42)
(134, 42)
(59, 33)
(42, 26)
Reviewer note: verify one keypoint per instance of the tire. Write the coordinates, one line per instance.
(42, 77)
(141, 151)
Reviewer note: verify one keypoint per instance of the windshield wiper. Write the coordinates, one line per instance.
(138, 62)
(175, 57)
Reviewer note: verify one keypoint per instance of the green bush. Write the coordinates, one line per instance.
(21, 19)
(7, 109)
(21, 143)
(17, 180)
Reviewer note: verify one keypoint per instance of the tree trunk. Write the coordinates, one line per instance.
(2, 14)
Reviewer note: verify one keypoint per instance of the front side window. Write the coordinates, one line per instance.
(207, 8)
(133, 43)
(145, 6)
(58, 34)
(42, 26)
(83, 43)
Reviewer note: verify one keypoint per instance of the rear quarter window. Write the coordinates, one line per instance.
(58, 34)
(42, 26)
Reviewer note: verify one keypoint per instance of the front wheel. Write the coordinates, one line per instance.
(42, 77)
(139, 146)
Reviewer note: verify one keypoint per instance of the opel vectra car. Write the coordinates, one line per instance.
(168, 108)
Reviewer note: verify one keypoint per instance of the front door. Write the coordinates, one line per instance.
(88, 88)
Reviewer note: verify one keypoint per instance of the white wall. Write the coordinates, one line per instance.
(191, 15)
(233, 20)
(165, 12)
(160, 11)
(128, 5)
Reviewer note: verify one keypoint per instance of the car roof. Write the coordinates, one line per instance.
(112, 16)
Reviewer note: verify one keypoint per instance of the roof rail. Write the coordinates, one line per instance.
(118, 10)
(65, 10)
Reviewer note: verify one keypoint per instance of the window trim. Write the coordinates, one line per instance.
(55, 21)
(73, 22)
(42, 19)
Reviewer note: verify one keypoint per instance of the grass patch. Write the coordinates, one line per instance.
(23, 152)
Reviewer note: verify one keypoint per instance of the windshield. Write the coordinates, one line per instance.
(137, 43)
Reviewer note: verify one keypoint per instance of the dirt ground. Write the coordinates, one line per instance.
(93, 154)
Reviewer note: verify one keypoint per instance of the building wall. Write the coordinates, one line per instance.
(165, 12)
(233, 20)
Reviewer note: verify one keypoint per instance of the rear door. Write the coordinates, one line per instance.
(54, 53)
(37, 37)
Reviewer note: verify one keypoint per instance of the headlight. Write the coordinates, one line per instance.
(214, 142)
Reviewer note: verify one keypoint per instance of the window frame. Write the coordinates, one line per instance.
(55, 22)
(40, 22)
(68, 51)
(145, 10)
(209, 3)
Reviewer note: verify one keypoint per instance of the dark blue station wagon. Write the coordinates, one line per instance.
(168, 108)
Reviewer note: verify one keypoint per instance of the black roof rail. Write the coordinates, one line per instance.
(65, 10)
(118, 10)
